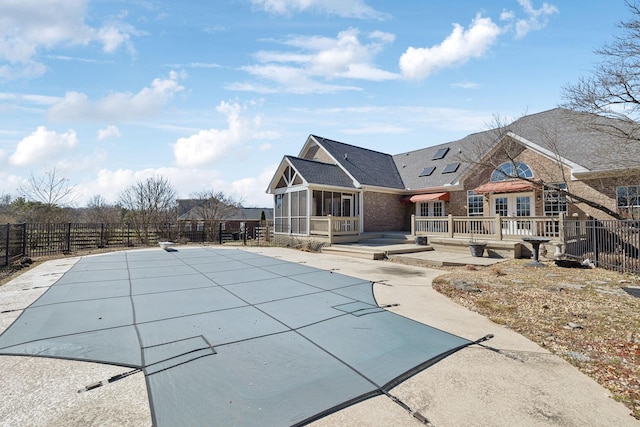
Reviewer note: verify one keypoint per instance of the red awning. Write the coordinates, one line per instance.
(425, 197)
(511, 186)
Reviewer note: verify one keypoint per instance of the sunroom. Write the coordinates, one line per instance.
(314, 199)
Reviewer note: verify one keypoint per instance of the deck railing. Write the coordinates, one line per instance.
(334, 226)
(493, 228)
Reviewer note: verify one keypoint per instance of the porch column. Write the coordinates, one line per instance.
(330, 229)
(498, 227)
(413, 224)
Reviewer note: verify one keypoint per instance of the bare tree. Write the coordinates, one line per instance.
(147, 202)
(47, 195)
(500, 145)
(213, 207)
(99, 211)
(5, 209)
(613, 90)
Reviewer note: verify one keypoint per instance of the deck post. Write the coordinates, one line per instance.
(498, 227)
(330, 228)
(450, 225)
(413, 224)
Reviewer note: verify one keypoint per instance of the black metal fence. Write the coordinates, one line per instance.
(12, 242)
(37, 240)
(614, 244)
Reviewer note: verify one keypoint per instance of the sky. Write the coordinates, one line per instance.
(212, 95)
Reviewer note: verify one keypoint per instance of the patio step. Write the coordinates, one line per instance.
(376, 250)
(494, 248)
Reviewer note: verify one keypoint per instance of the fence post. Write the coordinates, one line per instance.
(594, 236)
(24, 239)
(220, 232)
(6, 261)
(128, 234)
(244, 235)
(101, 244)
(69, 237)
(450, 225)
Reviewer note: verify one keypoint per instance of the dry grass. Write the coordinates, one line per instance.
(584, 316)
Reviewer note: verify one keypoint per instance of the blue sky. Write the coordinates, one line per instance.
(212, 95)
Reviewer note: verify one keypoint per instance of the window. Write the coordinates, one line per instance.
(451, 167)
(628, 196)
(475, 204)
(427, 171)
(440, 153)
(326, 203)
(511, 170)
(424, 209)
(555, 200)
(434, 208)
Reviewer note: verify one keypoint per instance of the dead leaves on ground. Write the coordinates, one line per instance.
(583, 316)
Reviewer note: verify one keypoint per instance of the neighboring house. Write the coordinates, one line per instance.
(191, 217)
(336, 189)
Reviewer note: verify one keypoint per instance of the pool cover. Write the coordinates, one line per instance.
(229, 337)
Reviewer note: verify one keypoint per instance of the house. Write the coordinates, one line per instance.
(514, 180)
(194, 218)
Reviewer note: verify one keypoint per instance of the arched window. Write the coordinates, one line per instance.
(511, 170)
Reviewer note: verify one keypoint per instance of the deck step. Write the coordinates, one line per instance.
(372, 250)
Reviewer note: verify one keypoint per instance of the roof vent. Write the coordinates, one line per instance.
(345, 156)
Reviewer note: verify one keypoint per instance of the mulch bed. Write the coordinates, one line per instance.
(589, 317)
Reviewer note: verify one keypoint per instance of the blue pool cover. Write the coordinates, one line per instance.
(229, 337)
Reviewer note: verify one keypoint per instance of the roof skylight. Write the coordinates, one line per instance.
(451, 167)
(440, 153)
(427, 171)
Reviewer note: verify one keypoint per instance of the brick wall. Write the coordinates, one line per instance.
(384, 212)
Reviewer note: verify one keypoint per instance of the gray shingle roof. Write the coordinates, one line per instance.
(576, 137)
(320, 173)
(585, 139)
(411, 164)
(368, 167)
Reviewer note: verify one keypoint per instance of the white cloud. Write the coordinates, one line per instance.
(42, 145)
(210, 145)
(319, 59)
(110, 183)
(460, 46)
(110, 131)
(376, 129)
(343, 8)
(119, 105)
(465, 85)
(536, 18)
(27, 26)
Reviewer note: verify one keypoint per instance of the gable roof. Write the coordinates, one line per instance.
(366, 166)
(320, 173)
(593, 142)
(578, 140)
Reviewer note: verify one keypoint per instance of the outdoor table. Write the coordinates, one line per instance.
(535, 243)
